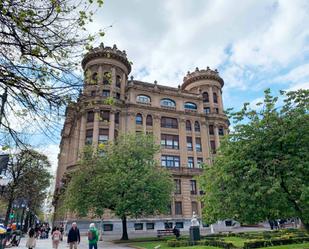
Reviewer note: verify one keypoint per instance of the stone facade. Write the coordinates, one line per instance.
(187, 121)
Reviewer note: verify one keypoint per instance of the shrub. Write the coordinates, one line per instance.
(274, 242)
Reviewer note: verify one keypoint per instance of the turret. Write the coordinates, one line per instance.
(106, 70)
(209, 84)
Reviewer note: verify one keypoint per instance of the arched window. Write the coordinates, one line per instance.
(149, 120)
(139, 119)
(106, 78)
(188, 125)
(168, 103)
(94, 78)
(190, 106)
(143, 99)
(197, 127)
(215, 98)
(90, 117)
(205, 97)
(118, 81)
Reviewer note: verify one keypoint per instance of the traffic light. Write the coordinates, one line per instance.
(12, 215)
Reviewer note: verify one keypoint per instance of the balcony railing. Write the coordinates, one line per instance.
(185, 171)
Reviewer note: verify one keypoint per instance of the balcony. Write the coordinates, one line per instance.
(185, 171)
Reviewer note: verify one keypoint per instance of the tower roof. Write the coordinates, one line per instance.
(107, 52)
(200, 75)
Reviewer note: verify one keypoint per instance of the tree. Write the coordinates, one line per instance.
(29, 176)
(40, 47)
(262, 168)
(125, 179)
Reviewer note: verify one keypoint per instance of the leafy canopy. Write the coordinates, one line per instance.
(262, 168)
(125, 179)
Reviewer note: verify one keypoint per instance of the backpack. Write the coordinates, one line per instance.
(91, 234)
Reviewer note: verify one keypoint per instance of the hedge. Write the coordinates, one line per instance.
(274, 242)
(217, 243)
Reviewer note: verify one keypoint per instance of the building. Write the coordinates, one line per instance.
(187, 121)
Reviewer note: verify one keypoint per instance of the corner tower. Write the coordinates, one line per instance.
(106, 71)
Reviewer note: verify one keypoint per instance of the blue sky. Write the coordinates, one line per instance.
(255, 44)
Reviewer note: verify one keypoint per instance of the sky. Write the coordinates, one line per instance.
(255, 44)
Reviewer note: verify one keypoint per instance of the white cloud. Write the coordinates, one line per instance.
(298, 86)
(51, 151)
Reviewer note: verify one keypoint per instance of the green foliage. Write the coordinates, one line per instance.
(41, 46)
(121, 176)
(262, 168)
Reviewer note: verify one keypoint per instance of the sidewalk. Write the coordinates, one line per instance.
(47, 244)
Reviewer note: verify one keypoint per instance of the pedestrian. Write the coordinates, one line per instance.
(56, 236)
(31, 242)
(73, 236)
(93, 236)
(176, 232)
(61, 230)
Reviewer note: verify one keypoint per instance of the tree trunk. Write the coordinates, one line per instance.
(8, 211)
(124, 228)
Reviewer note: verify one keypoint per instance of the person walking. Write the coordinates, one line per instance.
(93, 236)
(56, 236)
(31, 242)
(73, 236)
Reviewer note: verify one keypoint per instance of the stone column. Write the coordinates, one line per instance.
(130, 126)
(157, 133)
(211, 99)
(205, 142)
(82, 132)
(111, 131)
(112, 85)
(95, 136)
(220, 101)
(100, 74)
(194, 146)
(144, 123)
(217, 139)
(123, 86)
(183, 142)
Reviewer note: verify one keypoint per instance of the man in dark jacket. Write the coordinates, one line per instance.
(73, 236)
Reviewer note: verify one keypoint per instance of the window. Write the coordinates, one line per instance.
(105, 93)
(92, 94)
(215, 98)
(221, 131)
(94, 78)
(189, 144)
(177, 186)
(143, 99)
(207, 110)
(90, 116)
(117, 95)
(108, 227)
(117, 114)
(169, 211)
(178, 207)
(194, 207)
(89, 134)
(198, 145)
(205, 97)
(150, 226)
(169, 123)
(106, 78)
(199, 162)
(190, 106)
(213, 146)
(179, 225)
(193, 187)
(217, 110)
(118, 81)
(188, 125)
(170, 161)
(211, 130)
(197, 127)
(168, 103)
(103, 136)
(149, 120)
(139, 119)
(104, 115)
(138, 226)
(170, 141)
(190, 162)
(168, 225)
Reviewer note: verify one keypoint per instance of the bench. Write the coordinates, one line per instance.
(165, 232)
